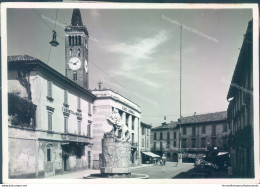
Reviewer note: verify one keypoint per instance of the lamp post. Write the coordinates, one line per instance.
(180, 151)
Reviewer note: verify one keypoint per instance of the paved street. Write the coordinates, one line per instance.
(154, 171)
(164, 172)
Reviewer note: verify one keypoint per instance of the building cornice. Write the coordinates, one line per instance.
(102, 94)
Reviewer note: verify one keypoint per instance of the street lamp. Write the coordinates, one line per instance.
(180, 152)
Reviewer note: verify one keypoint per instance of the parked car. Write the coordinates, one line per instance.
(202, 169)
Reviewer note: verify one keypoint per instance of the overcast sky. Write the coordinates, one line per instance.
(140, 51)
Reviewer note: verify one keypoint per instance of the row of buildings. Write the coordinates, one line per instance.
(199, 133)
(229, 131)
(55, 123)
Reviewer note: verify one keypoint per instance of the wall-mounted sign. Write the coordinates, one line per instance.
(128, 110)
(64, 109)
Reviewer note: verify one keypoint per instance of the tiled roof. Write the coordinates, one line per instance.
(217, 116)
(15, 58)
(167, 126)
(211, 117)
(144, 124)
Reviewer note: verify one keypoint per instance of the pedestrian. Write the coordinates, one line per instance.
(230, 171)
(164, 159)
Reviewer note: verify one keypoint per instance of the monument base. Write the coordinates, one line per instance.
(108, 170)
(115, 157)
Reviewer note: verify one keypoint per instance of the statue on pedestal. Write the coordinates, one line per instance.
(118, 126)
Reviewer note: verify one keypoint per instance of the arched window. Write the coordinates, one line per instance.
(76, 40)
(72, 40)
(78, 52)
(69, 40)
(79, 40)
(75, 75)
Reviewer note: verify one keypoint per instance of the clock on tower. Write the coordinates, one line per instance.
(76, 50)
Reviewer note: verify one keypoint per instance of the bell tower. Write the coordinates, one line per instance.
(76, 50)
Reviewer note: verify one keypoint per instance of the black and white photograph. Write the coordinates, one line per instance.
(130, 92)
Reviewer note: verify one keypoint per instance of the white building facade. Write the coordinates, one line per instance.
(58, 137)
(130, 113)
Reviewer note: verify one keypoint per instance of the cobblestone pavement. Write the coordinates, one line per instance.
(168, 171)
(82, 173)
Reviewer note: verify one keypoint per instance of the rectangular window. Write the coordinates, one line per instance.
(142, 142)
(147, 142)
(155, 136)
(133, 124)
(161, 146)
(65, 124)
(79, 104)
(154, 145)
(213, 142)
(174, 143)
(79, 127)
(168, 144)
(48, 154)
(184, 143)
(89, 130)
(143, 130)
(75, 77)
(161, 136)
(65, 97)
(224, 127)
(184, 131)
(213, 130)
(49, 91)
(133, 137)
(49, 121)
(203, 142)
(193, 131)
(203, 129)
(174, 135)
(193, 142)
(168, 135)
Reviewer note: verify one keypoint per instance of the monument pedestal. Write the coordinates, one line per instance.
(115, 157)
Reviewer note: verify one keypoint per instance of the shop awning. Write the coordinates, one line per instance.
(151, 154)
(222, 153)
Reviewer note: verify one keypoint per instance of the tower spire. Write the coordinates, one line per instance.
(76, 18)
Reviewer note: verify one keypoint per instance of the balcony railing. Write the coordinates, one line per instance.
(75, 138)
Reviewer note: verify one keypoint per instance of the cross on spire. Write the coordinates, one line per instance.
(99, 85)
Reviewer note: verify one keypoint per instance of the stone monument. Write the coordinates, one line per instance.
(116, 149)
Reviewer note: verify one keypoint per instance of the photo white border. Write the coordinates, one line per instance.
(93, 5)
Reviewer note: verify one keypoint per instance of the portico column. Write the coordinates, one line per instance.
(124, 117)
(130, 123)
